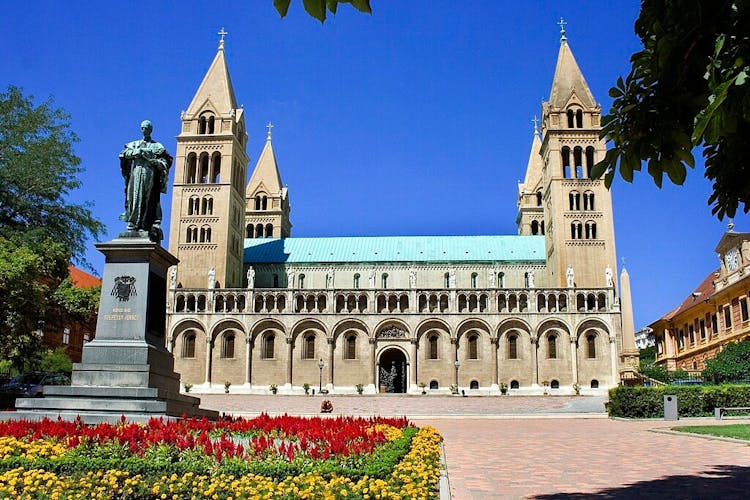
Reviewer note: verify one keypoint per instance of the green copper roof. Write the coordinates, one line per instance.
(396, 249)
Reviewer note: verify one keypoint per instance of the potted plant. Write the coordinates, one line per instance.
(326, 406)
(577, 388)
(546, 387)
(274, 388)
(306, 387)
(188, 387)
(360, 388)
(422, 385)
(503, 388)
(454, 389)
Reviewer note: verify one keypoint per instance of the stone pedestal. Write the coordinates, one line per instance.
(126, 370)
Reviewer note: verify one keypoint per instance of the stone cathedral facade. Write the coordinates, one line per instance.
(252, 306)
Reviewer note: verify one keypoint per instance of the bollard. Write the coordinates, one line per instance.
(670, 407)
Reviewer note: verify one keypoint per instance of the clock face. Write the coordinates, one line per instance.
(732, 259)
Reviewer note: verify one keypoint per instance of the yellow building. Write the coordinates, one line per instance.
(712, 315)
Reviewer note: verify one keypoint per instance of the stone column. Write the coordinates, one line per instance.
(331, 355)
(373, 363)
(495, 341)
(209, 348)
(290, 360)
(574, 359)
(249, 359)
(534, 360)
(454, 342)
(414, 354)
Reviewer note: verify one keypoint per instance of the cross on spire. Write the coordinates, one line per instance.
(535, 121)
(269, 127)
(222, 33)
(562, 24)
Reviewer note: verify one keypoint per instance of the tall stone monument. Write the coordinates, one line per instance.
(126, 370)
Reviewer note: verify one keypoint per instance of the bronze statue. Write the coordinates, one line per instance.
(145, 167)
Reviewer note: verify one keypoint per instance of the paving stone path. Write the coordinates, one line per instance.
(546, 447)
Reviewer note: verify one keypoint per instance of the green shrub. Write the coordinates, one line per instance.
(648, 402)
(731, 364)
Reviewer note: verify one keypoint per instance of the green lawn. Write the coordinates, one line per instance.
(737, 431)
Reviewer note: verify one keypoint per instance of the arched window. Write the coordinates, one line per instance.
(554, 384)
(579, 118)
(227, 347)
(534, 227)
(351, 347)
(309, 351)
(433, 347)
(191, 235)
(205, 234)
(249, 231)
(514, 384)
(210, 124)
(590, 230)
(384, 280)
(259, 230)
(203, 168)
(193, 203)
(501, 280)
(578, 162)
(356, 281)
(261, 201)
(591, 346)
(594, 384)
(552, 346)
(269, 230)
(575, 230)
(474, 384)
(202, 125)
(434, 384)
(268, 351)
(190, 168)
(473, 347)
(188, 345)
(216, 168)
(513, 347)
(571, 116)
(446, 280)
(588, 200)
(589, 160)
(539, 198)
(575, 200)
(207, 206)
(474, 280)
(301, 281)
(565, 153)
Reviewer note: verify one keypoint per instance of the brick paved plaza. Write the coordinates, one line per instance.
(545, 447)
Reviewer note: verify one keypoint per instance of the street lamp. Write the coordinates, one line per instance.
(457, 364)
(321, 364)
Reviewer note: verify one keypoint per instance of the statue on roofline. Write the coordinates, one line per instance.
(145, 168)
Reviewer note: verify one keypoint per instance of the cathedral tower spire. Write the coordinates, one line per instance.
(267, 203)
(209, 185)
(577, 209)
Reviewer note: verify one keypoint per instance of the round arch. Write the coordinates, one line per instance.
(349, 324)
(513, 324)
(307, 324)
(183, 325)
(590, 324)
(266, 324)
(392, 322)
(227, 324)
(432, 324)
(393, 369)
(473, 324)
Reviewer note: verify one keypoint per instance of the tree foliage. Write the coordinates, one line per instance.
(317, 8)
(687, 88)
(731, 365)
(55, 361)
(40, 230)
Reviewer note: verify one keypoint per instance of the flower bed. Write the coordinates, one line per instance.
(264, 457)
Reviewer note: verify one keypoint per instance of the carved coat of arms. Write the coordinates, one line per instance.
(124, 288)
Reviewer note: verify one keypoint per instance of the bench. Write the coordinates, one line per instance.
(720, 411)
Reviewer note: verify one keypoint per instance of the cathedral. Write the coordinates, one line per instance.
(251, 309)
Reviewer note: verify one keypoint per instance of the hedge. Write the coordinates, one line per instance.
(692, 401)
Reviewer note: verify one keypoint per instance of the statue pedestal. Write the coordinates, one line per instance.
(126, 370)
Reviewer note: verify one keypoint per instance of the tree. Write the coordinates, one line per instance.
(317, 8)
(40, 231)
(56, 361)
(731, 365)
(687, 88)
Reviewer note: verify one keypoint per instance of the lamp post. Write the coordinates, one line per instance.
(457, 364)
(321, 364)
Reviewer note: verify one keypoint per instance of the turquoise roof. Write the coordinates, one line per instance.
(396, 249)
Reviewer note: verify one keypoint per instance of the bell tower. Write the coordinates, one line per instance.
(208, 195)
(577, 209)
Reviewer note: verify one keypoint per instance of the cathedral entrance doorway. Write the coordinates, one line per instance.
(392, 375)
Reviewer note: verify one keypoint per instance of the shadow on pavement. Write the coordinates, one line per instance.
(722, 481)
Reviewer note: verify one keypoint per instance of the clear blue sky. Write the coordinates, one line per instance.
(413, 121)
